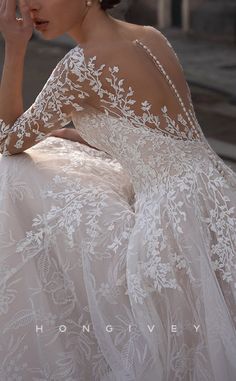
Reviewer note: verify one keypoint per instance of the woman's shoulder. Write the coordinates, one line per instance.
(71, 68)
(76, 53)
(74, 57)
(155, 36)
(80, 58)
(148, 32)
(160, 46)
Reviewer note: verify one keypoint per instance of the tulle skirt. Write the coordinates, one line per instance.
(73, 243)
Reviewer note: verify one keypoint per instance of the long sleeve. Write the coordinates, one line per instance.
(62, 94)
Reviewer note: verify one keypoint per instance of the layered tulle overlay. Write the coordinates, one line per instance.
(180, 259)
(50, 197)
(117, 265)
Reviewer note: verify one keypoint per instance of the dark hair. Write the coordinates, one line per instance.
(107, 4)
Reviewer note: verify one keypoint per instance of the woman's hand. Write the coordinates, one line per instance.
(67, 133)
(16, 31)
(70, 134)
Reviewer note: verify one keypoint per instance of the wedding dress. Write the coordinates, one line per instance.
(137, 242)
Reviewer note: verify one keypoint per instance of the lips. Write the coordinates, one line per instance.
(40, 23)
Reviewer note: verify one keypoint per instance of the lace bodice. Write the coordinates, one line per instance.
(123, 122)
(69, 89)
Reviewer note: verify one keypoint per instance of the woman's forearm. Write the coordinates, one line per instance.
(11, 99)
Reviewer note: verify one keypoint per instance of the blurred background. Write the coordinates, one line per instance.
(203, 34)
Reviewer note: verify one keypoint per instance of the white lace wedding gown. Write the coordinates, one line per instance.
(137, 243)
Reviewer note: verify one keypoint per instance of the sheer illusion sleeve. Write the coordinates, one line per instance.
(62, 94)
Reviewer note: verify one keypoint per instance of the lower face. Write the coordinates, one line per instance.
(56, 17)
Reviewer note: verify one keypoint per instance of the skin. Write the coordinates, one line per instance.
(83, 23)
(86, 25)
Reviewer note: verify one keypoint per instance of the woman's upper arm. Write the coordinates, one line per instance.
(63, 93)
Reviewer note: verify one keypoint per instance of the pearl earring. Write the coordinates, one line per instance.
(89, 3)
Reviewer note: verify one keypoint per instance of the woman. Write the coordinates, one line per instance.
(155, 281)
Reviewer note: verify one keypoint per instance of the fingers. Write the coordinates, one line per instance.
(58, 133)
(10, 9)
(2, 6)
(12, 28)
(25, 13)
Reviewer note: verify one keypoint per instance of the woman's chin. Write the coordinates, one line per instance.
(47, 35)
